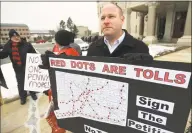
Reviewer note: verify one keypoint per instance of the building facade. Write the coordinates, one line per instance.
(40, 33)
(37, 34)
(154, 22)
(22, 29)
(83, 31)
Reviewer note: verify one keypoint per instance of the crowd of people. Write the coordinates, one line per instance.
(115, 42)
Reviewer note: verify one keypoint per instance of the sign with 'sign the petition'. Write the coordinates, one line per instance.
(109, 95)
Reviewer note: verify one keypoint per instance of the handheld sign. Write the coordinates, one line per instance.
(108, 95)
(36, 79)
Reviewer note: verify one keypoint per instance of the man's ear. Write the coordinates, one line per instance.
(122, 18)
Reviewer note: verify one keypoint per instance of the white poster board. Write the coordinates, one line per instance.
(10, 79)
(36, 79)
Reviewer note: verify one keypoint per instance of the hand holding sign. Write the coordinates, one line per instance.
(45, 60)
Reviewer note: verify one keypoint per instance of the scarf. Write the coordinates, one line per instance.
(15, 54)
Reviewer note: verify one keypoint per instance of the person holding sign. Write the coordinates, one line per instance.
(63, 39)
(17, 50)
(117, 42)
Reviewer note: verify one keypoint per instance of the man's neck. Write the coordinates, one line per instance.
(112, 39)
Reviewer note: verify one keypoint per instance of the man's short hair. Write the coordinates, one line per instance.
(120, 9)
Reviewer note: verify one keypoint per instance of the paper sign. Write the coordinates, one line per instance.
(36, 79)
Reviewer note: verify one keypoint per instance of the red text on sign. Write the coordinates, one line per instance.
(58, 63)
(82, 65)
(155, 75)
(121, 70)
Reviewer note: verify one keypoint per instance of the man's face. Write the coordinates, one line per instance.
(15, 38)
(111, 20)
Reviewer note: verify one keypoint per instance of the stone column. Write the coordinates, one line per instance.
(145, 25)
(150, 38)
(140, 24)
(128, 19)
(100, 6)
(156, 26)
(186, 39)
(170, 16)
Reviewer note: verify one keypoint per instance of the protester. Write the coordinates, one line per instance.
(72, 45)
(63, 40)
(117, 42)
(17, 50)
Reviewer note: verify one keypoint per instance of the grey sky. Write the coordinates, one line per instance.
(47, 15)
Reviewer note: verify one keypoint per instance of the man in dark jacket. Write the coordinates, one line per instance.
(17, 50)
(116, 42)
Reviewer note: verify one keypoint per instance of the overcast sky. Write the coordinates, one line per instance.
(47, 15)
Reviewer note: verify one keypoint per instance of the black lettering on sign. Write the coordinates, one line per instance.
(152, 117)
(34, 59)
(38, 77)
(34, 69)
(39, 84)
(89, 129)
(155, 104)
(145, 127)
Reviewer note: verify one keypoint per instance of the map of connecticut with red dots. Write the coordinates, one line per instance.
(92, 98)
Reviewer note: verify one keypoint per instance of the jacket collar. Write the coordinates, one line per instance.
(127, 41)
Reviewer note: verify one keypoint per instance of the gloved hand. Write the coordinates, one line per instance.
(46, 92)
(45, 60)
(1, 46)
(138, 58)
(48, 52)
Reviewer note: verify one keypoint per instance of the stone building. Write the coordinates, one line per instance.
(83, 31)
(154, 22)
(22, 29)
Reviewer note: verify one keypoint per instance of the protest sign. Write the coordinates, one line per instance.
(36, 79)
(109, 95)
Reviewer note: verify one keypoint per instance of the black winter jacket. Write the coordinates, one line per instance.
(128, 45)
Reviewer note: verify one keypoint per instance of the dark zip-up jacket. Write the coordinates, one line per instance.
(128, 45)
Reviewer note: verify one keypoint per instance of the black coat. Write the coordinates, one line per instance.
(128, 45)
(23, 47)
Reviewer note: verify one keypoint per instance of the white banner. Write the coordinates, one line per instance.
(36, 79)
(149, 74)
